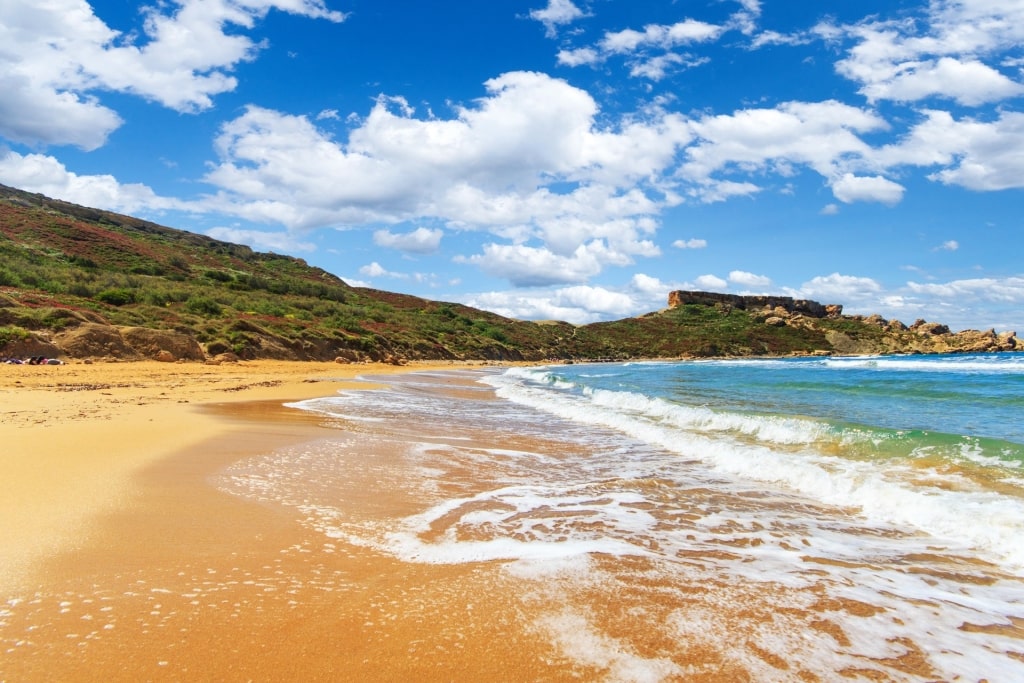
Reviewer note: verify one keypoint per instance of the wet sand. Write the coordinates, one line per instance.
(122, 561)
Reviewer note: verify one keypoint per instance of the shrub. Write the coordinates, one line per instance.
(118, 296)
(202, 305)
(11, 333)
(83, 262)
(79, 289)
(8, 279)
(218, 275)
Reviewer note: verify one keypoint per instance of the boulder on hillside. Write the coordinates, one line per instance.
(926, 328)
(1008, 340)
(975, 341)
(33, 345)
(95, 340)
(150, 343)
(876, 320)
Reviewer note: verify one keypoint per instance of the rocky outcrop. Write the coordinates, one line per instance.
(752, 303)
(162, 344)
(94, 340)
(32, 345)
(870, 334)
(975, 341)
(926, 328)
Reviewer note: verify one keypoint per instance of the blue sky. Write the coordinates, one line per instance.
(544, 159)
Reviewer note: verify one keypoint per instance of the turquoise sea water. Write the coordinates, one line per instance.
(796, 519)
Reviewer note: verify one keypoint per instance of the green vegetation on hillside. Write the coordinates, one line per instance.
(63, 266)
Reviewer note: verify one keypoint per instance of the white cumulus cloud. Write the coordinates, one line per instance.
(711, 282)
(557, 13)
(850, 188)
(59, 57)
(419, 241)
(746, 279)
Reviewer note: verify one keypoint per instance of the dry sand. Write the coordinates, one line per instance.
(72, 436)
(120, 560)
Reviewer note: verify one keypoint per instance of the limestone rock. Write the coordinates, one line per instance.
(93, 339)
(975, 341)
(347, 356)
(926, 328)
(33, 345)
(876, 320)
(789, 304)
(150, 343)
(1008, 341)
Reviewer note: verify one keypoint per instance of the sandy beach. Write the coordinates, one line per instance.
(122, 562)
(180, 522)
(75, 435)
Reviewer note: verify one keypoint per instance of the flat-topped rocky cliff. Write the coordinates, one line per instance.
(751, 303)
(861, 334)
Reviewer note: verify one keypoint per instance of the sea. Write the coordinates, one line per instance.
(797, 519)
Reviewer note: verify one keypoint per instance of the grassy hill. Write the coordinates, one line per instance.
(85, 282)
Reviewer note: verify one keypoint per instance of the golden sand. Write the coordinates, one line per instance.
(73, 436)
(121, 562)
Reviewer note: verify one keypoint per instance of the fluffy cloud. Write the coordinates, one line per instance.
(820, 135)
(968, 82)
(650, 52)
(579, 56)
(1010, 290)
(46, 175)
(536, 266)
(375, 269)
(532, 132)
(33, 115)
(850, 188)
(557, 13)
(976, 154)
(419, 241)
(57, 55)
(745, 279)
(578, 304)
(280, 242)
(839, 288)
(956, 302)
(985, 156)
(940, 56)
(659, 36)
(711, 282)
(492, 167)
